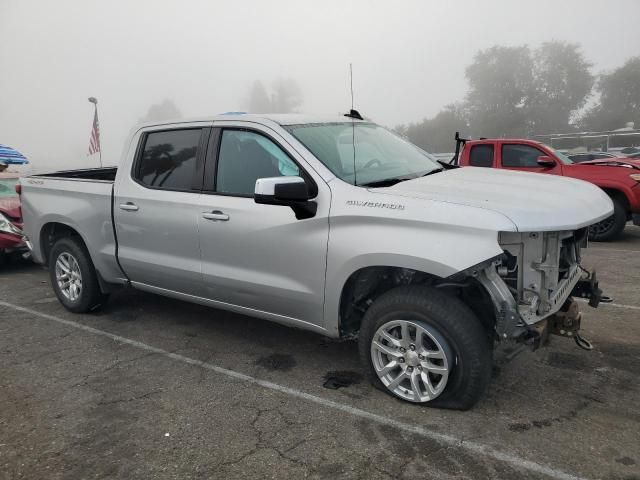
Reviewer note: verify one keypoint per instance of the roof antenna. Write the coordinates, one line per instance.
(351, 80)
(352, 113)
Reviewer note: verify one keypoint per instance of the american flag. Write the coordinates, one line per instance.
(94, 141)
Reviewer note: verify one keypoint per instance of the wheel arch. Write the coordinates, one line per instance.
(366, 284)
(620, 195)
(617, 190)
(53, 231)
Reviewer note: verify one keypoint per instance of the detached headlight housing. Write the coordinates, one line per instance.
(7, 227)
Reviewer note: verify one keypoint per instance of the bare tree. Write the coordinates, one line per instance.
(562, 82)
(619, 99)
(158, 112)
(259, 101)
(500, 81)
(285, 97)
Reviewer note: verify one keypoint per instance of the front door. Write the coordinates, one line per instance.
(518, 156)
(261, 256)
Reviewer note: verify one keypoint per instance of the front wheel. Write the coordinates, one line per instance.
(427, 347)
(73, 277)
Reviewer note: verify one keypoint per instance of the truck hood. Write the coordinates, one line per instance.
(614, 162)
(532, 201)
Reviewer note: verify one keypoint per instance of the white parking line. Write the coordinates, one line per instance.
(620, 305)
(615, 305)
(474, 447)
(620, 250)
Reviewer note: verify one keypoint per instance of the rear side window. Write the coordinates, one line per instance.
(168, 160)
(481, 156)
(520, 156)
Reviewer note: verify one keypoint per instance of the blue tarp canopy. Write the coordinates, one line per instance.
(11, 157)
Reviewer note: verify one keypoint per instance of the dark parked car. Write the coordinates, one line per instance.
(588, 156)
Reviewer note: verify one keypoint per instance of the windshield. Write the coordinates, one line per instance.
(8, 187)
(364, 153)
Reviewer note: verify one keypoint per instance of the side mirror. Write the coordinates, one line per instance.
(286, 191)
(546, 161)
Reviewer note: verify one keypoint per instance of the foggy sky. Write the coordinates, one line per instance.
(408, 58)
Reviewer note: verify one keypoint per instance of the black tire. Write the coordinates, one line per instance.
(470, 344)
(91, 297)
(611, 227)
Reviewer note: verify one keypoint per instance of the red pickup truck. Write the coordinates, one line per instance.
(618, 177)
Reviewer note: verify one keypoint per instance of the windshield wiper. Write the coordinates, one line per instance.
(447, 165)
(435, 170)
(388, 182)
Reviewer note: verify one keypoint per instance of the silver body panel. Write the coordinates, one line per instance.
(83, 205)
(261, 260)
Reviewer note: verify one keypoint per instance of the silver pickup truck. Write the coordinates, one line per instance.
(334, 225)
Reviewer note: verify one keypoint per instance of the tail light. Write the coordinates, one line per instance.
(18, 188)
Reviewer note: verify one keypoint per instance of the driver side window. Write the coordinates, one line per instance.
(520, 156)
(247, 156)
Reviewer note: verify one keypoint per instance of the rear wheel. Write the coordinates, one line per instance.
(424, 346)
(73, 277)
(611, 227)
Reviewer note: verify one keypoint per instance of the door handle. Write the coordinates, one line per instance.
(129, 207)
(215, 215)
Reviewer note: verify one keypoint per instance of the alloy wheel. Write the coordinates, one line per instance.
(603, 227)
(68, 276)
(411, 359)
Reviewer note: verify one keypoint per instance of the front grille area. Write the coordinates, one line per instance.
(540, 269)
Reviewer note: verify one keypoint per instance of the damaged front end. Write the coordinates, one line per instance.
(533, 283)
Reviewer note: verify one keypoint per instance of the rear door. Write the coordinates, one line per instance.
(524, 157)
(261, 257)
(156, 209)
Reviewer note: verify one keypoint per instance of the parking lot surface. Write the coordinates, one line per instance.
(151, 387)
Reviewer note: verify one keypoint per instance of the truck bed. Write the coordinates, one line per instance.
(80, 200)
(105, 174)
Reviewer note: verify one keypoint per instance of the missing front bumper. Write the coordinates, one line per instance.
(528, 323)
(564, 323)
(587, 287)
(567, 323)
